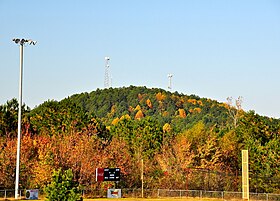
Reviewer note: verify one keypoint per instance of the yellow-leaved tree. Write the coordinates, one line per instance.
(139, 115)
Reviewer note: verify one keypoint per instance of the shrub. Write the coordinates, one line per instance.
(63, 187)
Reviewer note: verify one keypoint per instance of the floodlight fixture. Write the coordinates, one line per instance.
(24, 41)
(32, 42)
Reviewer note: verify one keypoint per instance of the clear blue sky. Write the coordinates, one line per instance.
(214, 48)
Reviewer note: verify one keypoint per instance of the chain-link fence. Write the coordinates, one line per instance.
(167, 193)
(226, 195)
(161, 193)
(9, 193)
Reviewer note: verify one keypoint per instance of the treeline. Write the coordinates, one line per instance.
(184, 141)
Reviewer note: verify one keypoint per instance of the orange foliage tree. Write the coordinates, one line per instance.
(149, 103)
(7, 162)
(182, 113)
(160, 96)
(173, 160)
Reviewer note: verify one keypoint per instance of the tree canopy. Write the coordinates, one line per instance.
(178, 136)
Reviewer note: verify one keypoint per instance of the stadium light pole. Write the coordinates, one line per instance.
(21, 43)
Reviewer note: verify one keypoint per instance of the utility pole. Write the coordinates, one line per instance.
(21, 43)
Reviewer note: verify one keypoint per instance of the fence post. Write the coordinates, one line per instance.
(158, 193)
(222, 194)
(200, 193)
(5, 194)
(133, 193)
(267, 197)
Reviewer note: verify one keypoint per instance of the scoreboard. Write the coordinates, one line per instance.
(112, 174)
(108, 174)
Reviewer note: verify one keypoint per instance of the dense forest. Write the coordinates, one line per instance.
(185, 141)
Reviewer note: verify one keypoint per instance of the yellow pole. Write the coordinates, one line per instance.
(245, 175)
(142, 176)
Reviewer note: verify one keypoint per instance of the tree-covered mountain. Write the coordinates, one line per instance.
(178, 136)
(137, 102)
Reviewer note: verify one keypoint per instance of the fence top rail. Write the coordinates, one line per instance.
(213, 191)
(178, 190)
(273, 194)
(7, 190)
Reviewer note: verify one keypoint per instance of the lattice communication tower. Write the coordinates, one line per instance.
(107, 77)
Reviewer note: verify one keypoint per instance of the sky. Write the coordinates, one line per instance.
(214, 48)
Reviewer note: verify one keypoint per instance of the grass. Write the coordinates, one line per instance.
(135, 199)
(157, 199)
(154, 199)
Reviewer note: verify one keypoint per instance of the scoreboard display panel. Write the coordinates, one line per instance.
(112, 174)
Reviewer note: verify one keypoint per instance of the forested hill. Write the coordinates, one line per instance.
(138, 102)
(183, 111)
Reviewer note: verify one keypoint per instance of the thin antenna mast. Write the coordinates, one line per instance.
(169, 83)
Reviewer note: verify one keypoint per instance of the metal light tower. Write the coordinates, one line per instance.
(21, 43)
(169, 78)
(107, 78)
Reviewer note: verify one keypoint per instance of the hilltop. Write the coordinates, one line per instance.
(166, 107)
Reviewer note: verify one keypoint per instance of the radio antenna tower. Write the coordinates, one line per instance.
(107, 79)
(169, 83)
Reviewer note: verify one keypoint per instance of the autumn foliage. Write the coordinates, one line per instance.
(182, 139)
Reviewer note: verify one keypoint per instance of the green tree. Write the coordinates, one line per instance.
(54, 117)
(62, 187)
(9, 117)
(144, 136)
